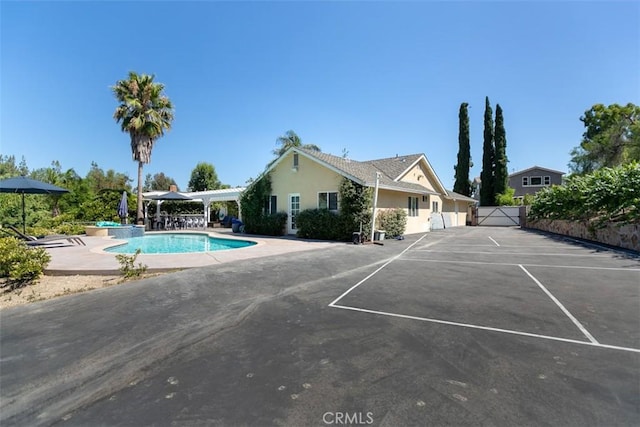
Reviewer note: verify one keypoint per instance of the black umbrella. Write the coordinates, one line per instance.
(24, 185)
(171, 195)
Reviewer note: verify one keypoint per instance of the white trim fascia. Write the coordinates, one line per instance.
(429, 168)
(537, 167)
(406, 190)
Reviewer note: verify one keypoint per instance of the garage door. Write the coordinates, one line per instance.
(501, 216)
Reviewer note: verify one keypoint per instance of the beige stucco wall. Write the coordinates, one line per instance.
(308, 180)
(392, 199)
(449, 208)
(419, 175)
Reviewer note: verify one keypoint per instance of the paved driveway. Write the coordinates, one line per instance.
(469, 326)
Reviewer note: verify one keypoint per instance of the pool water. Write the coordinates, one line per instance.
(173, 243)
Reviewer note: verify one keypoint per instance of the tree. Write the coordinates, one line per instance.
(9, 169)
(145, 113)
(611, 138)
(487, 193)
(159, 182)
(291, 139)
(501, 173)
(98, 179)
(204, 177)
(463, 184)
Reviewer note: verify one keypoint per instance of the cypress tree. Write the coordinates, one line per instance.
(501, 174)
(487, 193)
(462, 184)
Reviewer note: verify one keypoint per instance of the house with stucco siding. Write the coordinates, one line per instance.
(307, 179)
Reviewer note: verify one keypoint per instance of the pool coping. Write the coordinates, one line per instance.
(114, 241)
(69, 259)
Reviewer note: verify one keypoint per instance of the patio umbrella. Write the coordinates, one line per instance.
(123, 207)
(24, 185)
(171, 195)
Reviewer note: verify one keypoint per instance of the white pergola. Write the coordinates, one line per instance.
(205, 197)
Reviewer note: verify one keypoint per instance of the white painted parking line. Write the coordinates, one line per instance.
(528, 265)
(516, 253)
(491, 238)
(381, 267)
(487, 328)
(562, 307)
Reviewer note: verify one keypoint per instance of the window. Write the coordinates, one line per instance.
(270, 205)
(425, 199)
(547, 180)
(328, 200)
(295, 161)
(535, 180)
(434, 207)
(525, 181)
(273, 204)
(413, 206)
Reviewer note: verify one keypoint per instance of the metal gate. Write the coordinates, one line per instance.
(501, 216)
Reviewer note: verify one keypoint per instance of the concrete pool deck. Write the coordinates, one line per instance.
(92, 259)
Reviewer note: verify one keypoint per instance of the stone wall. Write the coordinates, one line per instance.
(625, 236)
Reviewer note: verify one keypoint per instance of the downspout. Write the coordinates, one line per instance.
(375, 204)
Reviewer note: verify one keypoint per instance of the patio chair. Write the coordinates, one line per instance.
(46, 240)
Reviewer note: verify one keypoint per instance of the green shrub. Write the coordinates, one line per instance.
(269, 225)
(256, 220)
(70, 228)
(393, 222)
(356, 202)
(127, 265)
(20, 264)
(608, 194)
(320, 224)
(506, 198)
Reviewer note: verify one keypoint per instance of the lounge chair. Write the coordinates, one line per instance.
(46, 240)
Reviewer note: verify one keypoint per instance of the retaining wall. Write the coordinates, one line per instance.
(625, 236)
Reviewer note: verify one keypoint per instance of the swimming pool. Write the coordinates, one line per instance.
(177, 243)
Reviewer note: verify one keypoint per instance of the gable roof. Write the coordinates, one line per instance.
(536, 167)
(364, 173)
(395, 167)
(391, 169)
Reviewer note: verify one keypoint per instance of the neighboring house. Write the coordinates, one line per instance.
(305, 179)
(530, 181)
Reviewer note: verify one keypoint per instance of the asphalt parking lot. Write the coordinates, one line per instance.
(468, 326)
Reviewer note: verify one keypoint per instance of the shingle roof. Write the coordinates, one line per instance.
(536, 167)
(394, 166)
(458, 196)
(365, 172)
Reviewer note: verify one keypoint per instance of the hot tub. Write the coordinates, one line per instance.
(119, 231)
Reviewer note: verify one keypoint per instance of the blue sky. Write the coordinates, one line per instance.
(374, 78)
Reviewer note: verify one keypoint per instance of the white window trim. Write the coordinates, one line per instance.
(270, 205)
(546, 180)
(296, 162)
(414, 211)
(327, 193)
(536, 185)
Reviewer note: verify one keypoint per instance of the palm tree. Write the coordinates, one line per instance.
(291, 139)
(145, 113)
